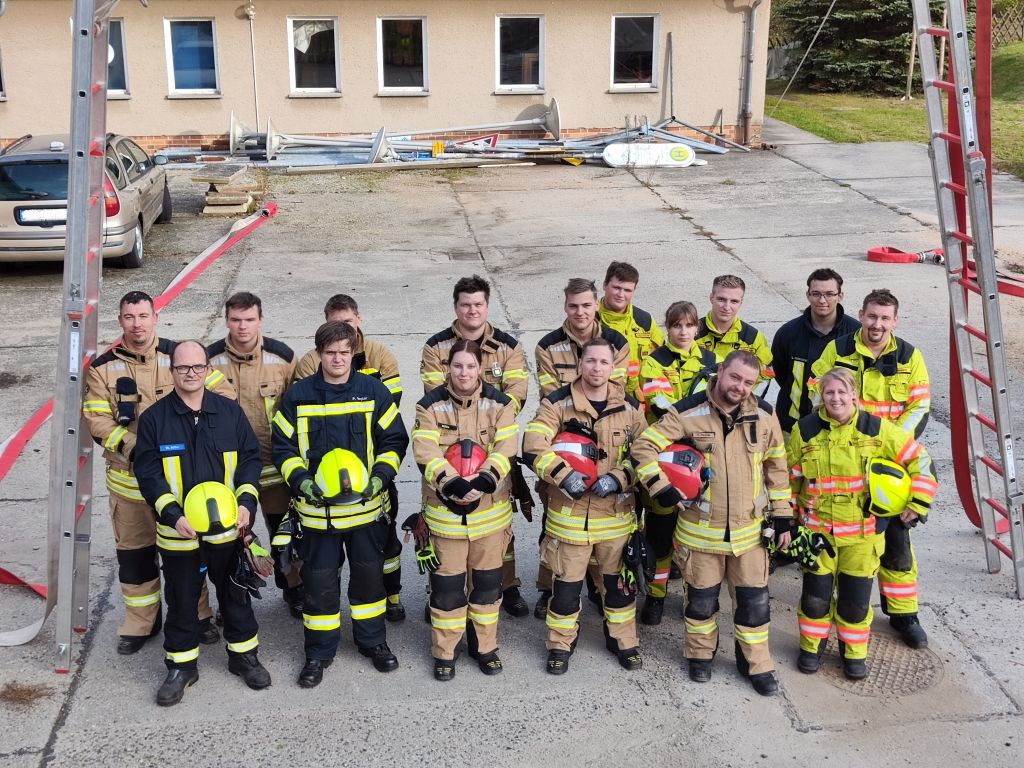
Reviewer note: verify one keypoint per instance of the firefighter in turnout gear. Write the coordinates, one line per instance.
(616, 311)
(829, 452)
(260, 370)
(187, 442)
(674, 371)
(466, 505)
(892, 383)
(504, 368)
(799, 343)
(719, 536)
(558, 357)
(373, 359)
(341, 413)
(588, 516)
(723, 332)
(119, 386)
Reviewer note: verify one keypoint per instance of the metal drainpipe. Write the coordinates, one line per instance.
(3, 7)
(748, 86)
(250, 11)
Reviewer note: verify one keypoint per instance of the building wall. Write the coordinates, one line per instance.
(708, 41)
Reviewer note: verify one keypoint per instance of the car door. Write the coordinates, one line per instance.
(153, 184)
(132, 199)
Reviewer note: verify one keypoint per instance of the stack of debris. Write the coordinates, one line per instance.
(230, 191)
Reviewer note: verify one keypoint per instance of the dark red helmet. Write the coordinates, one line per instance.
(685, 469)
(579, 452)
(466, 456)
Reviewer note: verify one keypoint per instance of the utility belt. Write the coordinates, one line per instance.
(339, 517)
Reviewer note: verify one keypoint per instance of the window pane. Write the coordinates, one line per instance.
(634, 50)
(520, 52)
(116, 79)
(34, 181)
(402, 43)
(192, 52)
(313, 46)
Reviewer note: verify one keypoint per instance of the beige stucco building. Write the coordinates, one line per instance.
(180, 67)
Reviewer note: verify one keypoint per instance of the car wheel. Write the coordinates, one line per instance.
(165, 210)
(133, 259)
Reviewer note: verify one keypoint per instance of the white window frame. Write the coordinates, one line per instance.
(501, 88)
(173, 92)
(118, 93)
(391, 90)
(293, 89)
(656, 32)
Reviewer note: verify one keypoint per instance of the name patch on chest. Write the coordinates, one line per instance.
(168, 447)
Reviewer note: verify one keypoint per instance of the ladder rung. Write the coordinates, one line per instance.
(943, 85)
(1001, 547)
(937, 32)
(996, 467)
(986, 421)
(970, 285)
(975, 332)
(952, 138)
(997, 507)
(963, 237)
(952, 186)
(981, 377)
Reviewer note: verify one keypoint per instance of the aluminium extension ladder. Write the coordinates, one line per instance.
(958, 182)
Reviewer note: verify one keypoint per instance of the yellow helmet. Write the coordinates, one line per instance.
(211, 508)
(342, 477)
(889, 487)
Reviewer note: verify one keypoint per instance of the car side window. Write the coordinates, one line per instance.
(142, 160)
(114, 170)
(130, 166)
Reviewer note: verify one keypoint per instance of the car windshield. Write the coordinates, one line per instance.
(39, 180)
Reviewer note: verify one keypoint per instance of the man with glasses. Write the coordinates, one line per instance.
(800, 342)
(119, 386)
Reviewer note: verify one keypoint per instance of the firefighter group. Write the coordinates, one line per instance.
(655, 455)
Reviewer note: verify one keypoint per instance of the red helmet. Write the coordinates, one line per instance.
(579, 452)
(466, 456)
(685, 469)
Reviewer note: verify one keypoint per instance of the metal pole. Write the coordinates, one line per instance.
(910, 70)
(250, 11)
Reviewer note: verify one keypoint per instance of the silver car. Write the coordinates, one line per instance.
(34, 192)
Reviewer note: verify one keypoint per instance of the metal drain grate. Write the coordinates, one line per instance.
(464, 254)
(893, 668)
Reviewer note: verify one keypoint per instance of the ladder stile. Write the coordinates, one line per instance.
(1001, 495)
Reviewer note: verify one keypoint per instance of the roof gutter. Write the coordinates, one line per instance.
(748, 71)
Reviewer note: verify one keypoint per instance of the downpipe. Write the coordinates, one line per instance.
(748, 74)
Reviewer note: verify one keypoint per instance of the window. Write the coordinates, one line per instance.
(402, 62)
(191, 56)
(520, 51)
(117, 70)
(314, 61)
(114, 169)
(634, 59)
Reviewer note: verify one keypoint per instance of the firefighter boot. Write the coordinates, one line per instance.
(394, 611)
(293, 599)
(910, 629)
(173, 688)
(652, 612)
(383, 659)
(513, 603)
(248, 667)
(313, 672)
(809, 661)
(540, 610)
(700, 670)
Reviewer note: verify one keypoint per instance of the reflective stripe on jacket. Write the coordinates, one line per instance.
(740, 335)
(642, 333)
(675, 374)
(558, 356)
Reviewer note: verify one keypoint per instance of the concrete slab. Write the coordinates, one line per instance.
(780, 133)
(895, 160)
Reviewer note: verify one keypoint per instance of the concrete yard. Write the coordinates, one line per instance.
(397, 242)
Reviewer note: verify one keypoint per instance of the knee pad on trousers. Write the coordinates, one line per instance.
(702, 603)
(898, 555)
(752, 606)
(816, 597)
(486, 586)
(613, 598)
(448, 593)
(565, 597)
(137, 566)
(853, 596)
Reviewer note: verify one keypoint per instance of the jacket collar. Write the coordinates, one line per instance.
(138, 357)
(605, 312)
(616, 398)
(746, 409)
(595, 332)
(244, 357)
(465, 402)
(713, 330)
(840, 314)
(209, 404)
(862, 348)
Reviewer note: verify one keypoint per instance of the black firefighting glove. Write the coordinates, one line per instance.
(605, 485)
(575, 485)
(456, 488)
(311, 493)
(638, 561)
(257, 555)
(373, 488)
(783, 525)
(669, 497)
(244, 583)
(484, 482)
(415, 527)
(285, 541)
(806, 546)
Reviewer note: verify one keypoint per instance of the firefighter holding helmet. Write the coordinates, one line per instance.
(464, 441)
(852, 474)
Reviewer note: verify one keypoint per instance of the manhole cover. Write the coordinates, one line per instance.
(893, 668)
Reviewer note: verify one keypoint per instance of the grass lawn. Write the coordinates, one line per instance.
(848, 117)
